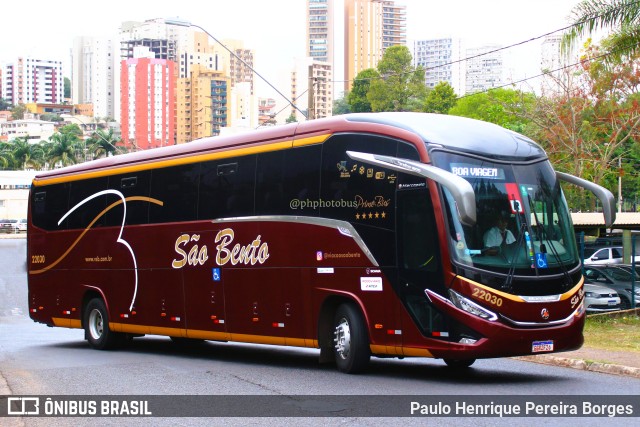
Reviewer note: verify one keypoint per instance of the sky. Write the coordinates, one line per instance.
(274, 29)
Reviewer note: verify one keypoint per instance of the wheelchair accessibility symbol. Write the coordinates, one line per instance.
(541, 260)
(216, 274)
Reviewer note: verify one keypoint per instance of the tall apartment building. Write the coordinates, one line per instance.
(147, 100)
(394, 25)
(441, 60)
(312, 89)
(31, 80)
(485, 68)
(352, 35)
(551, 61)
(202, 107)
(94, 73)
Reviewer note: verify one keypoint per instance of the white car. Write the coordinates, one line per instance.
(21, 226)
(600, 299)
(605, 256)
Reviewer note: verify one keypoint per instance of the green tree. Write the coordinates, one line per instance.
(72, 129)
(24, 154)
(67, 88)
(292, 118)
(103, 143)
(504, 107)
(400, 86)
(17, 112)
(341, 106)
(5, 105)
(622, 17)
(357, 97)
(594, 122)
(440, 99)
(63, 149)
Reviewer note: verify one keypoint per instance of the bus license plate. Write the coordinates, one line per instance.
(540, 346)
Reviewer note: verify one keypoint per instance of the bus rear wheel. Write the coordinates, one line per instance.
(459, 363)
(351, 342)
(96, 326)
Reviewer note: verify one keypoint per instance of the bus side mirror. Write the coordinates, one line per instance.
(605, 196)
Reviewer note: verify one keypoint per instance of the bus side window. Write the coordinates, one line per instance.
(91, 208)
(227, 188)
(130, 185)
(177, 189)
(49, 205)
(417, 234)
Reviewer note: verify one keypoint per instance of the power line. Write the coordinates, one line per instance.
(187, 24)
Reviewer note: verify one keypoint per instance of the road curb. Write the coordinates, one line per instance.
(585, 365)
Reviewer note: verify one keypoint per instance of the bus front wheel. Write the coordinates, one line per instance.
(96, 326)
(350, 338)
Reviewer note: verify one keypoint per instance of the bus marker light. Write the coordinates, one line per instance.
(33, 310)
(256, 319)
(394, 332)
(175, 319)
(133, 313)
(73, 309)
(214, 317)
(163, 314)
(41, 308)
(66, 312)
(219, 321)
(124, 316)
(277, 325)
(440, 334)
(378, 326)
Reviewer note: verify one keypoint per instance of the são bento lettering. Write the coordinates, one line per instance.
(191, 252)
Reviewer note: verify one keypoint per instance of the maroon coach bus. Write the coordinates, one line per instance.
(361, 235)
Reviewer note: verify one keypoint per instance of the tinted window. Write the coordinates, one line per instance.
(358, 192)
(177, 189)
(136, 187)
(287, 181)
(91, 208)
(49, 204)
(227, 188)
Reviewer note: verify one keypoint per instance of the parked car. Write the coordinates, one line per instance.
(617, 278)
(604, 256)
(21, 226)
(600, 299)
(8, 225)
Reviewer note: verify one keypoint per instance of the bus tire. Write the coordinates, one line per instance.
(625, 304)
(96, 326)
(351, 342)
(459, 363)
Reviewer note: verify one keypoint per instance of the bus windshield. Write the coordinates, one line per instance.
(523, 225)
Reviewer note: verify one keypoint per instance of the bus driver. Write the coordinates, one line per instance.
(498, 235)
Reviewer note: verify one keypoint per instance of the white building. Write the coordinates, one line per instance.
(485, 68)
(312, 89)
(30, 80)
(441, 60)
(35, 130)
(94, 70)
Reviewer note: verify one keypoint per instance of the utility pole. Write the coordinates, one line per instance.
(311, 107)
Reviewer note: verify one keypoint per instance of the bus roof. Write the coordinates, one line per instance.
(460, 134)
(436, 130)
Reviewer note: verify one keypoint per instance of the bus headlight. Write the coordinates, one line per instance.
(471, 307)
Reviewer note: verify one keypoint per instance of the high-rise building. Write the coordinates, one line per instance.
(320, 42)
(31, 80)
(202, 108)
(147, 100)
(485, 68)
(363, 36)
(440, 59)
(551, 63)
(94, 71)
(394, 25)
(315, 78)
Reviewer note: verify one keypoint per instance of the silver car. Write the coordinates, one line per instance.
(600, 299)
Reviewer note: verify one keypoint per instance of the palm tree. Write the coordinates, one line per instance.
(622, 17)
(24, 154)
(62, 149)
(103, 144)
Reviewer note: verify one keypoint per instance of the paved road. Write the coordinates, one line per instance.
(38, 360)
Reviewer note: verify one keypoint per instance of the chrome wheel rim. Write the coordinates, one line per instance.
(96, 324)
(342, 338)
